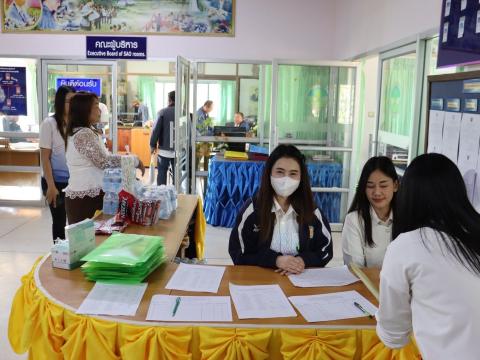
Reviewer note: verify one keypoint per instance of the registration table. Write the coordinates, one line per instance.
(43, 321)
(174, 229)
(231, 183)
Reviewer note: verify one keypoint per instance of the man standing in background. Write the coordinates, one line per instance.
(141, 112)
(204, 126)
(163, 136)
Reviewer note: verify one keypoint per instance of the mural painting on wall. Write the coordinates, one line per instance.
(186, 17)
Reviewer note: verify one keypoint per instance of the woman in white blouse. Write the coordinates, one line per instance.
(367, 230)
(430, 280)
(87, 157)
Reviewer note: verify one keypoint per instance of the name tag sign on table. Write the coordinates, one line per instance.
(116, 47)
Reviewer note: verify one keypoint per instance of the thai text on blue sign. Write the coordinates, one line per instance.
(82, 84)
(13, 91)
(116, 47)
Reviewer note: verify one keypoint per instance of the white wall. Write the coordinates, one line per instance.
(366, 25)
(265, 29)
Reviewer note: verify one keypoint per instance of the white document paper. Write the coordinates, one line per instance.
(202, 278)
(190, 308)
(435, 131)
(468, 152)
(451, 135)
(337, 276)
(260, 302)
(113, 299)
(334, 306)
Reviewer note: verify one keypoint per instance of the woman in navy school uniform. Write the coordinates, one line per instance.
(281, 227)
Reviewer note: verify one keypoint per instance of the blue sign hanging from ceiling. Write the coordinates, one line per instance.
(82, 84)
(116, 47)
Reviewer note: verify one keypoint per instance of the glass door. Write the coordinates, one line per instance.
(19, 126)
(182, 127)
(398, 89)
(99, 77)
(313, 108)
(239, 95)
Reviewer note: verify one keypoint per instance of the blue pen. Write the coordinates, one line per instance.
(360, 307)
(177, 303)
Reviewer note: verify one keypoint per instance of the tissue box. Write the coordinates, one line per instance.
(66, 254)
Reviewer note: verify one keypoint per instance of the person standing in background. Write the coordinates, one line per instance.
(163, 136)
(54, 164)
(204, 128)
(141, 112)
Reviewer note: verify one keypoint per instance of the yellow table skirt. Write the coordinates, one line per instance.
(49, 331)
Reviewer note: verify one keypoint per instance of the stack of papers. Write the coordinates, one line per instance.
(112, 299)
(190, 308)
(124, 258)
(260, 302)
(201, 278)
(337, 276)
(334, 306)
(235, 155)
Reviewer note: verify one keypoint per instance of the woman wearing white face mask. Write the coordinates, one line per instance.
(281, 228)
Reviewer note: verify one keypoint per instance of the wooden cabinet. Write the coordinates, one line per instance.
(123, 138)
(138, 140)
(10, 157)
(140, 144)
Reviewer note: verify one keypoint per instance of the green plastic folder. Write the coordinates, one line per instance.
(124, 258)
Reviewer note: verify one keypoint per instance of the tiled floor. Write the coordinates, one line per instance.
(25, 235)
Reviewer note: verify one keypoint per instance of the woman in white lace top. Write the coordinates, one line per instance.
(87, 157)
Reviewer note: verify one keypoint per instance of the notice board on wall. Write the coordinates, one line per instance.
(459, 40)
(453, 125)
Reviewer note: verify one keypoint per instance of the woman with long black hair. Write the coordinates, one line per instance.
(430, 279)
(54, 165)
(367, 230)
(281, 227)
(87, 157)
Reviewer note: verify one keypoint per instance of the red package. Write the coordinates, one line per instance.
(143, 212)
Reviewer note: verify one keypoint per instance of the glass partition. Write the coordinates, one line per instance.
(232, 88)
(143, 88)
(315, 103)
(397, 101)
(314, 109)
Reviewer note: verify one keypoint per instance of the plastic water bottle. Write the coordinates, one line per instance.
(110, 203)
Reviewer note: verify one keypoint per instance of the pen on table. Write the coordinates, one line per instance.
(360, 307)
(177, 303)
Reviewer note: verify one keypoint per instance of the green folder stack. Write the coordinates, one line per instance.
(124, 259)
